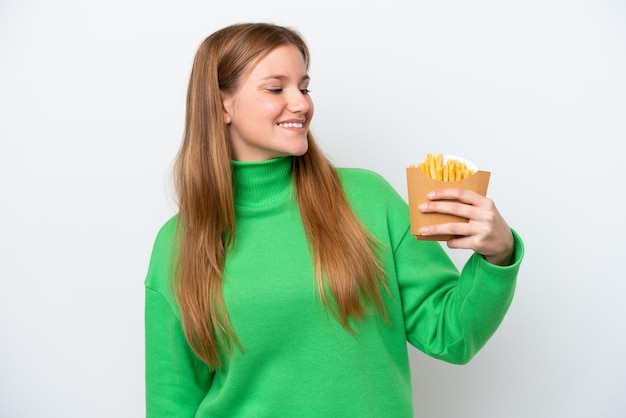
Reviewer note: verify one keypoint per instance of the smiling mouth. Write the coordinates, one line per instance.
(291, 125)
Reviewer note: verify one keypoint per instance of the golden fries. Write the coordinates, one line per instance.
(453, 170)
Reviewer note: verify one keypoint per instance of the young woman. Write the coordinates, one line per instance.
(283, 288)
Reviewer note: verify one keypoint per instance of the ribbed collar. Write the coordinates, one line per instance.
(262, 183)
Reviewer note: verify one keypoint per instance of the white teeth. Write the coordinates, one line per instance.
(291, 125)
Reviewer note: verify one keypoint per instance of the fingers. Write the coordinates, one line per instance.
(457, 229)
(485, 232)
(450, 207)
(462, 195)
(458, 202)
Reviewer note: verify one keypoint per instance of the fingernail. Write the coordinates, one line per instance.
(424, 230)
(422, 206)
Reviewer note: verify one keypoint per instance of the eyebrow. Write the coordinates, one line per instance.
(282, 77)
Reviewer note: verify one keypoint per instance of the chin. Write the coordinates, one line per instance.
(300, 152)
(302, 149)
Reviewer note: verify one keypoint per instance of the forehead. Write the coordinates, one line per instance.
(284, 60)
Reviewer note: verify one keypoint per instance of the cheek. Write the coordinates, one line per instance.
(270, 110)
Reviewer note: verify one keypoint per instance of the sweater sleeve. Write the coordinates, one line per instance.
(176, 379)
(450, 315)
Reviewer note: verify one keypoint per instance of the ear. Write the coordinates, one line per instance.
(227, 107)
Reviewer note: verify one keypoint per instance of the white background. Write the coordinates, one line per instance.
(91, 115)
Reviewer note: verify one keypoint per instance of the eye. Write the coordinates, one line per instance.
(305, 91)
(276, 90)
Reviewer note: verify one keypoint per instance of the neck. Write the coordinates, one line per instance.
(262, 183)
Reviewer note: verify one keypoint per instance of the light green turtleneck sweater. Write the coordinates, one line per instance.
(297, 361)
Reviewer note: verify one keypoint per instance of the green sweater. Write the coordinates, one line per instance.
(297, 360)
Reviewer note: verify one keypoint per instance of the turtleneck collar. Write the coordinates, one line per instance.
(262, 183)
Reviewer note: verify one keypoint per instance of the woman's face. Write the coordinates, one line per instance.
(269, 114)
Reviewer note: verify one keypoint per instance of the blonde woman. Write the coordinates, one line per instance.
(286, 287)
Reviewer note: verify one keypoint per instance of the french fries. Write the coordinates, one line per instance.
(450, 170)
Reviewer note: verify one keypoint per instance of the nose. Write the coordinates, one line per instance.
(298, 102)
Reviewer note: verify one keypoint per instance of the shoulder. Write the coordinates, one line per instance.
(361, 180)
(373, 198)
(163, 252)
(165, 235)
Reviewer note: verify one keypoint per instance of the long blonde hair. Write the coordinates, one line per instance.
(343, 251)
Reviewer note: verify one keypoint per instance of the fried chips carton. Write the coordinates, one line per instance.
(439, 172)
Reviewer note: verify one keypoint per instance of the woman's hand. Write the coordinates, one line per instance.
(486, 232)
